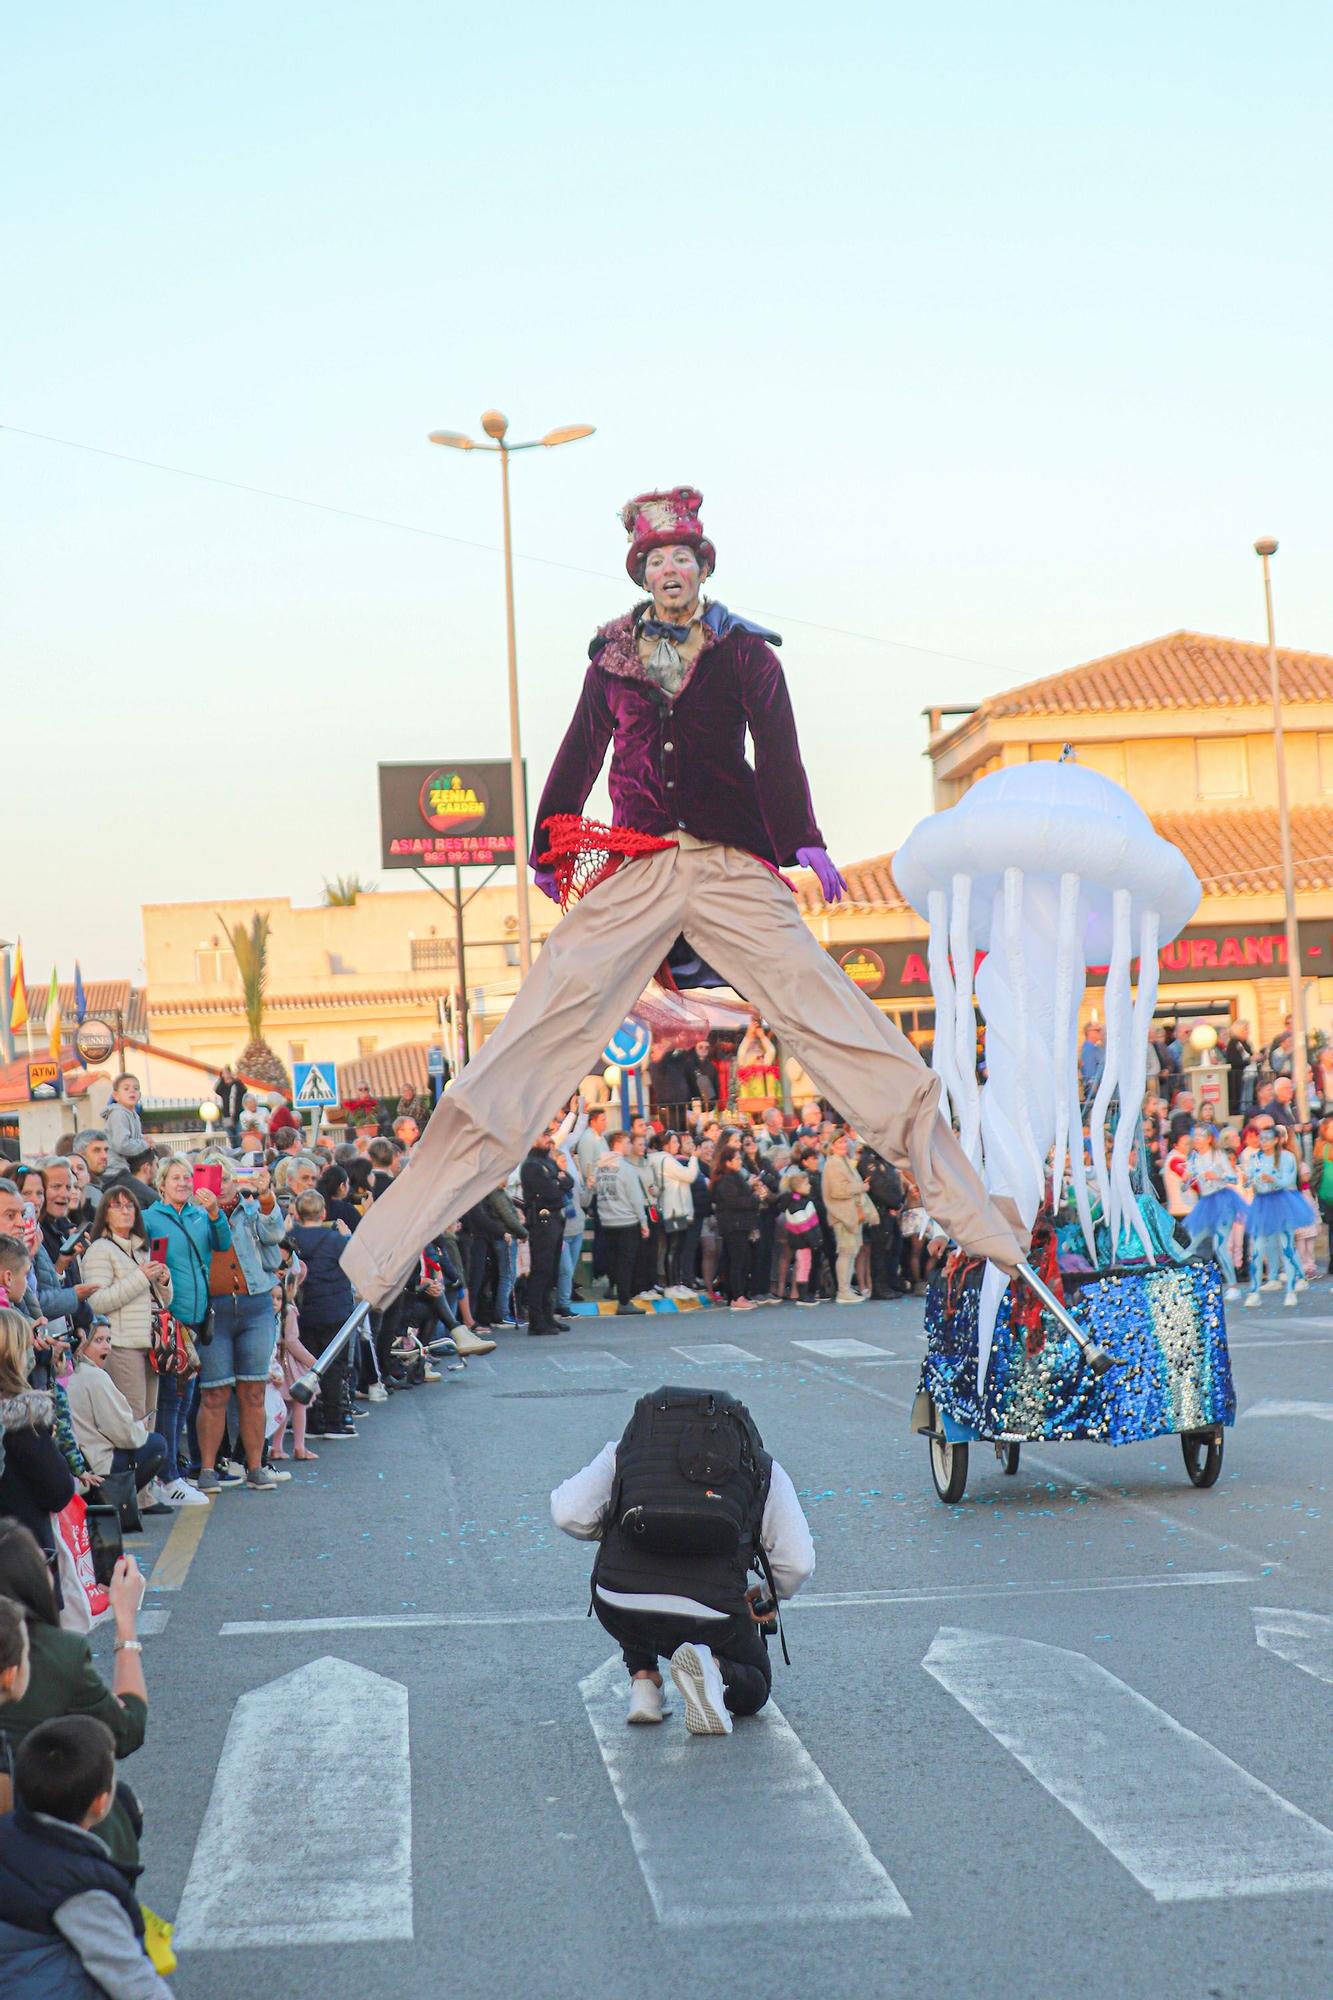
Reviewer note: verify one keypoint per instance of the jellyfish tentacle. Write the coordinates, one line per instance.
(1117, 1000)
(1135, 1079)
(1066, 941)
(965, 1018)
(942, 1059)
(1016, 968)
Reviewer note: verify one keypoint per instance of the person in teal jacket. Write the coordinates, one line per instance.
(192, 1226)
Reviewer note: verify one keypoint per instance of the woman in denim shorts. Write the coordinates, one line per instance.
(245, 1331)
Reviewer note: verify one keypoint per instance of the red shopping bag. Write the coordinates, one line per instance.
(72, 1528)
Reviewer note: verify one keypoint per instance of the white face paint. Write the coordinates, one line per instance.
(673, 576)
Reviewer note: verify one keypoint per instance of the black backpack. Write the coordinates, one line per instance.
(692, 1475)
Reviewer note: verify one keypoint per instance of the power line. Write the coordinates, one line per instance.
(458, 541)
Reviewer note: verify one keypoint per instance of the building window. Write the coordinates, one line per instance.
(432, 954)
(366, 1045)
(511, 954)
(208, 966)
(1222, 768)
(296, 1051)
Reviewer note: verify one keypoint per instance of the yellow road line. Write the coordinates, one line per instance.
(173, 1565)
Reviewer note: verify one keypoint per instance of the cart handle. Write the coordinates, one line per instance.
(1096, 1357)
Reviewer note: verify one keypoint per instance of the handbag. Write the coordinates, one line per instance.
(119, 1490)
(226, 1279)
(170, 1348)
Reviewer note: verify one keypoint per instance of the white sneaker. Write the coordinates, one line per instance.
(697, 1675)
(1232, 1292)
(646, 1702)
(181, 1494)
(1271, 1285)
(679, 1292)
(850, 1299)
(1251, 1301)
(377, 1393)
(1291, 1299)
(1302, 1284)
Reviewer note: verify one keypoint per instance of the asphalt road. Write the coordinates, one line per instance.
(1033, 1744)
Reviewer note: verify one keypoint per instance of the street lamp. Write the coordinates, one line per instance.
(1264, 549)
(496, 428)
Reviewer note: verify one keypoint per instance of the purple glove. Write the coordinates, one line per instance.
(544, 878)
(830, 882)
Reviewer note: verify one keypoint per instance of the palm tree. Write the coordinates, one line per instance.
(343, 891)
(251, 949)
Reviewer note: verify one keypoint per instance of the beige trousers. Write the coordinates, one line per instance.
(129, 1370)
(741, 918)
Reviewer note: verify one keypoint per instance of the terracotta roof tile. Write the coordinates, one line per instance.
(103, 996)
(870, 886)
(1181, 670)
(386, 1073)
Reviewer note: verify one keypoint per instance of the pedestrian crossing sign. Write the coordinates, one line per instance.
(316, 1084)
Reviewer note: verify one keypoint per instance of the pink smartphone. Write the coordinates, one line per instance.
(209, 1177)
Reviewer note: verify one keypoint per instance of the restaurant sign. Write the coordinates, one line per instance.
(898, 970)
(445, 815)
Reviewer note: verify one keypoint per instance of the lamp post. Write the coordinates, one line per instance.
(1264, 550)
(496, 428)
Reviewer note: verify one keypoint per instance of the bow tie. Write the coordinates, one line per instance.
(655, 628)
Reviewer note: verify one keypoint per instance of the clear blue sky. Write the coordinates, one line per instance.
(988, 332)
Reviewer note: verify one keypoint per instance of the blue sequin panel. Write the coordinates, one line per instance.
(1164, 1326)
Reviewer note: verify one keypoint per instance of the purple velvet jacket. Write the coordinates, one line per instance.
(680, 765)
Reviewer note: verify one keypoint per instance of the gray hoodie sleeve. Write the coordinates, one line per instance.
(95, 1926)
(124, 1137)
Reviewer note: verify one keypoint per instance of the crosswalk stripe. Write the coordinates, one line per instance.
(1321, 1412)
(1186, 1821)
(588, 1361)
(841, 1350)
(715, 1352)
(308, 1834)
(744, 1829)
(1303, 1639)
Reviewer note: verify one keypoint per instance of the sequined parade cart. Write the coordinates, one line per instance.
(1042, 878)
(1133, 1352)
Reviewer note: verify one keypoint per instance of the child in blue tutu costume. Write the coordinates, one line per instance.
(1212, 1176)
(1276, 1212)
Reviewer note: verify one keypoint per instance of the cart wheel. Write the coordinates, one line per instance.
(1008, 1457)
(1203, 1456)
(948, 1469)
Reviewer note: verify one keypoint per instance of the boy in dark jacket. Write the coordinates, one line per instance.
(326, 1300)
(70, 1925)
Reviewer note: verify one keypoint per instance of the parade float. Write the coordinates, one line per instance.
(1041, 874)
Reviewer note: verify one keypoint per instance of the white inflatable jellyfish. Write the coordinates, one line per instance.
(1044, 870)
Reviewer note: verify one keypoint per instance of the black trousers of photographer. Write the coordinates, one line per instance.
(737, 1644)
(546, 1232)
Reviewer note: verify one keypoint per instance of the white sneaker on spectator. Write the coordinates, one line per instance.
(181, 1494)
(850, 1299)
(377, 1393)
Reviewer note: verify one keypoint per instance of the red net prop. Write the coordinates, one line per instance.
(583, 852)
(1025, 1310)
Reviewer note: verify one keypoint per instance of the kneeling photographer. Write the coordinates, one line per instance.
(685, 1507)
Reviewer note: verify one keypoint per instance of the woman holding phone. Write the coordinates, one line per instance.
(189, 1222)
(131, 1282)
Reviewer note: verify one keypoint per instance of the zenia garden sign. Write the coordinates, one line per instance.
(445, 815)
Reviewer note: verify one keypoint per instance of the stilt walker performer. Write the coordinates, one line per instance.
(698, 836)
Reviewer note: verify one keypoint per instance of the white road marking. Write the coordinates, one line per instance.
(308, 1834)
(152, 1620)
(1303, 1639)
(1299, 1340)
(809, 1600)
(1321, 1412)
(587, 1361)
(743, 1829)
(841, 1350)
(1186, 1821)
(719, 1351)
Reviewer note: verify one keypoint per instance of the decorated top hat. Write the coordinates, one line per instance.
(661, 520)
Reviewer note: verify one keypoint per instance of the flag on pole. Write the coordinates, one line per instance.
(18, 991)
(53, 1023)
(80, 997)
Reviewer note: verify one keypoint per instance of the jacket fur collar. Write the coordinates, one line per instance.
(32, 1407)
